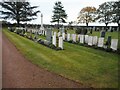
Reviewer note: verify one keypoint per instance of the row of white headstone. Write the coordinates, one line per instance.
(90, 40)
(40, 32)
(60, 42)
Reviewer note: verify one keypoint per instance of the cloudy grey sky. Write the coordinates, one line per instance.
(72, 8)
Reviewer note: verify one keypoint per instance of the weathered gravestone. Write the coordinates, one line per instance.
(63, 36)
(59, 34)
(94, 28)
(49, 35)
(118, 29)
(114, 44)
(86, 38)
(110, 29)
(81, 38)
(90, 40)
(78, 37)
(52, 33)
(54, 39)
(102, 33)
(100, 42)
(95, 40)
(68, 36)
(74, 38)
(60, 42)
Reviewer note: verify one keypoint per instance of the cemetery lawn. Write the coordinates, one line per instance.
(91, 67)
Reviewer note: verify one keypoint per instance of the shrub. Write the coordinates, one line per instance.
(78, 31)
(70, 41)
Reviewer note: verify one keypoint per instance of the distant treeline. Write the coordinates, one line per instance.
(4, 24)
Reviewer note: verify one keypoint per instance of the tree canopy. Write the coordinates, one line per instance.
(105, 12)
(87, 15)
(116, 12)
(59, 14)
(18, 11)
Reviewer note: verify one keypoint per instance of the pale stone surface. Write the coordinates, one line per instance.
(81, 38)
(59, 34)
(63, 36)
(90, 40)
(54, 39)
(94, 28)
(86, 38)
(114, 44)
(100, 42)
(95, 40)
(68, 36)
(74, 38)
(60, 42)
(49, 35)
(118, 29)
(78, 37)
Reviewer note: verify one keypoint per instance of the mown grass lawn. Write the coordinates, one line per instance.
(89, 66)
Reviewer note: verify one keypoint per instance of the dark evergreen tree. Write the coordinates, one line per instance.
(18, 11)
(59, 15)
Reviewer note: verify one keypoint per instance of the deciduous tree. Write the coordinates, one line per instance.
(87, 15)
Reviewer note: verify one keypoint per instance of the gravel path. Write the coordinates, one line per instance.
(20, 73)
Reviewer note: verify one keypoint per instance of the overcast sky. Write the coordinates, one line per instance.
(72, 8)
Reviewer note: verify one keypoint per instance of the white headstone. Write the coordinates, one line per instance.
(63, 36)
(59, 34)
(86, 38)
(110, 28)
(114, 44)
(95, 40)
(118, 29)
(94, 28)
(52, 33)
(54, 39)
(42, 32)
(90, 40)
(68, 36)
(81, 38)
(60, 42)
(100, 42)
(78, 37)
(74, 38)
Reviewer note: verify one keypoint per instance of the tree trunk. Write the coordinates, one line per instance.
(18, 22)
(58, 26)
(86, 24)
(106, 26)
